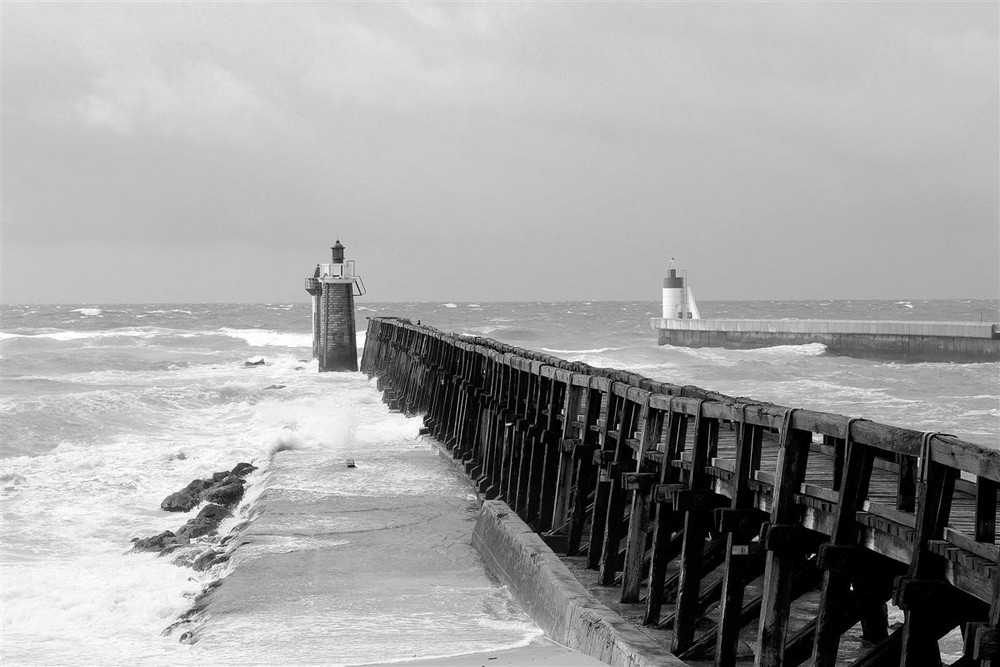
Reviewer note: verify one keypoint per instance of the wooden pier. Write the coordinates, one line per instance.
(722, 524)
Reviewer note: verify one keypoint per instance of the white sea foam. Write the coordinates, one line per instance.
(87, 312)
(480, 331)
(266, 337)
(125, 332)
(806, 350)
(450, 305)
(596, 350)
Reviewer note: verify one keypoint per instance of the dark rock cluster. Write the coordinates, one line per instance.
(223, 488)
(221, 493)
(196, 544)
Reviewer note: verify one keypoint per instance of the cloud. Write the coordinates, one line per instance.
(193, 100)
(736, 135)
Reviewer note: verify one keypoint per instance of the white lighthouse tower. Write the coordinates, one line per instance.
(678, 299)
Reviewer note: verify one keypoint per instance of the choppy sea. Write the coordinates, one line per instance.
(106, 409)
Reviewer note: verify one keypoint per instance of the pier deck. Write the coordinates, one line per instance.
(720, 524)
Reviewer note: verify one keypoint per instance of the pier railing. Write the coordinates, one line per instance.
(718, 517)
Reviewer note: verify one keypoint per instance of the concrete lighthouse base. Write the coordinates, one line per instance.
(335, 341)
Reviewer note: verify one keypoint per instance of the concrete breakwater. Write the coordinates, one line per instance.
(723, 528)
(899, 341)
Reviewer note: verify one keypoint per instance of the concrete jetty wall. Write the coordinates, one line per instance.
(554, 598)
(893, 340)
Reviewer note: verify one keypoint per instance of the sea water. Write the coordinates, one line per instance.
(106, 409)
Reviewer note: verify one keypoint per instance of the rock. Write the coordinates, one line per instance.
(227, 495)
(185, 558)
(274, 386)
(214, 512)
(197, 527)
(158, 542)
(206, 522)
(187, 498)
(256, 362)
(242, 470)
(207, 559)
(219, 476)
(171, 548)
(204, 560)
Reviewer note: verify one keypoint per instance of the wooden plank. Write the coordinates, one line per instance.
(985, 550)
(966, 456)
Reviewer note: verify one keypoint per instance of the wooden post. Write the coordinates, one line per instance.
(586, 472)
(602, 491)
(748, 449)
(576, 403)
(666, 518)
(837, 580)
(549, 486)
(625, 421)
(696, 524)
(638, 525)
(793, 453)
(935, 490)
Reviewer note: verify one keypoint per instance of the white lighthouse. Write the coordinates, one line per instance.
(678, 299)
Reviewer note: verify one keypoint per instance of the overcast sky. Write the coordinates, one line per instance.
(485, 151)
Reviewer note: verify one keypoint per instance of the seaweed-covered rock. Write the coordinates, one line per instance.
(187, 498)
(227, 495)
(256, 362)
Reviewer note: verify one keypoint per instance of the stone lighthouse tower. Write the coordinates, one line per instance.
(333, 287)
